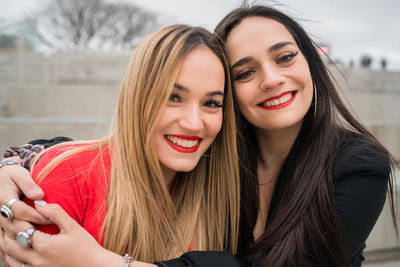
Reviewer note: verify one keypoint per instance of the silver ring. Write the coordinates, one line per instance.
(24, 239)
(11, 202)
(8, 162)
(6, 212)
(23, 265)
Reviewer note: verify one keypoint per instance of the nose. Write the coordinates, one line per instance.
(191, 119)
(271, 78)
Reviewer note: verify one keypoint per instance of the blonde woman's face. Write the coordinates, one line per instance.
(271, 76)
(193, 116)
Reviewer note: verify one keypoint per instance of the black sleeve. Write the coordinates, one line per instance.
(361, 173)
(50, 142)
(207, 259)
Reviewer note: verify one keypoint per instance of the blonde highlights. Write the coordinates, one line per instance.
(141, 217)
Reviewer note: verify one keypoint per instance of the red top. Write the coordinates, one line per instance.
(78, 184)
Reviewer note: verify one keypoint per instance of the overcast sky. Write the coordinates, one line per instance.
(351, 27)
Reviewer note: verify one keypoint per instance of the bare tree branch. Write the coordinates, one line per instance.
(90, 24)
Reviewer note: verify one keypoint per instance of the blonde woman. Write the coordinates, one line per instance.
(166, 180)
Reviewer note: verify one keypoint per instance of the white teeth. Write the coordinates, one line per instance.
(182, 142)
(278, 101)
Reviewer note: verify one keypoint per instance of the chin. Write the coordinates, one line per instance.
(184, 166)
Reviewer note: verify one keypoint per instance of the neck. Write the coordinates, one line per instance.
(274, 146)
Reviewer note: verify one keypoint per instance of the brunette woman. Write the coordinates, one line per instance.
(320, 177)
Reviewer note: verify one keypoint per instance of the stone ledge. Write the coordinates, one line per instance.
(382, 255)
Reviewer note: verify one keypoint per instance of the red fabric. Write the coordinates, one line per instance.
(79, 185)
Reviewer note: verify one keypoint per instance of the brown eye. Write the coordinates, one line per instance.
(287, 58)
(174, 98)
(243, 75)
(213, 104)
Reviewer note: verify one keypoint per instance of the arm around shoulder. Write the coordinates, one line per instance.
(207, 259)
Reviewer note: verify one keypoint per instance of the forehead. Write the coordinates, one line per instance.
(256, 31)
(201, 69)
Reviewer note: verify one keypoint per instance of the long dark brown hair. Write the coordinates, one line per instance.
(302, 218)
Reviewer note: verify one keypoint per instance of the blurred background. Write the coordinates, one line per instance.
(62, 61)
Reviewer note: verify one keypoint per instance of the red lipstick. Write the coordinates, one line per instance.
(294, 93)
(184, 149)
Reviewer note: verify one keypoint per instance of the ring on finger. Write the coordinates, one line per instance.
(7, 162)
(24, 239)
(6, 212)
(11, 202)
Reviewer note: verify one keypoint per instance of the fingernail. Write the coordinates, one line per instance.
(40, 203)
(37, 191)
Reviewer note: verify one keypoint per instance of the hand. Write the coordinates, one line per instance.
(7, 259)
(15, 181)
(73, 246)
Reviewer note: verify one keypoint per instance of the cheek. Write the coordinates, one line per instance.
(308, 93)
(242, 98)
(165, 119)
(214, 122)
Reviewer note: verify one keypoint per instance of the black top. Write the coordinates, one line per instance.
(361, 174)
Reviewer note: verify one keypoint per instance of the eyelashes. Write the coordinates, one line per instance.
(243, 75)
(281, 60)
(287, 57)
(210, 103)
(213, 104)
(175, 98)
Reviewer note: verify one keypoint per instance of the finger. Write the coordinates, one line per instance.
(2, 256)
(7, 226)
(15, 158)
(17, 226)
(13, 262)
(22, 178)
(11, 178)
(41, 241)
(57, 215)
(8, 188)
(12, 227)
(13, 250)
(24, 212)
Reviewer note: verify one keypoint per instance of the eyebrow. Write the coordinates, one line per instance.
(279, 46)
(273, 48)
(180, 87)
(212, 93)
(241, 61)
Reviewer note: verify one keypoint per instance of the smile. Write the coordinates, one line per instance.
(279, 101)
(183, 143)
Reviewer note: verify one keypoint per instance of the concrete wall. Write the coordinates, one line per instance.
(71, 94)
(374, 97)
(383, 235)
(77, 111)
(26, 67)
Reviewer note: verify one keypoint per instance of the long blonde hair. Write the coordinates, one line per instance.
(204, 210)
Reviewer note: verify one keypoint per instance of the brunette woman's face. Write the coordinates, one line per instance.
(271, 76)
(193, 116)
